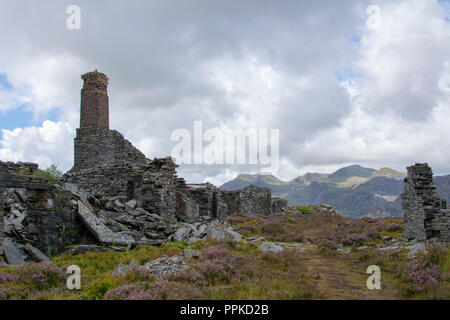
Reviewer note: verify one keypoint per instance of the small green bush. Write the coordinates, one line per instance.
(305, 210)
(52, 174)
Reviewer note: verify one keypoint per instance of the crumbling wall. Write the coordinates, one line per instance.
(218, 203)
(154, 184)
(99, 147)
(36, 211)
(279, 205)
(255, 200)
(425, 214)
(228, 202)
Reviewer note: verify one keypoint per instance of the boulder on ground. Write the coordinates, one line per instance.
(270, 246)
(123, 269)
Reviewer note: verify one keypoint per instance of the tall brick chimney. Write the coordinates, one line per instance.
(94, 101)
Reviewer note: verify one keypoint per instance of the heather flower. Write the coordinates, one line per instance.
(421, 275)
(158, 290)
(6, 277)
(393, 227)
(190, 276)
(128, 292)
(42, 275)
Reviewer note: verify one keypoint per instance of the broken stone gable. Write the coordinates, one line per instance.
(425, 215)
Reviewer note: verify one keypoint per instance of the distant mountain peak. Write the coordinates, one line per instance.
(389, 172)
(355, 170)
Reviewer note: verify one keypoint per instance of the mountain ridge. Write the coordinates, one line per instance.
(354, 191)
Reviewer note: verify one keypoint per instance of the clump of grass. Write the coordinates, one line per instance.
(275, 227)
(305, 210)
(174, 245)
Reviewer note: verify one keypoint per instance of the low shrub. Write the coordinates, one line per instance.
(305, 210)
(162, 289)
(393, 227)
(420, 276)
(42, 275)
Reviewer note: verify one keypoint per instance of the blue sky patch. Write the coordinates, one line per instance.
(4, 84)
(22, 116)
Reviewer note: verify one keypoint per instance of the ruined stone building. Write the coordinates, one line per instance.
(106, 164)
(426, 216)
(112, 196)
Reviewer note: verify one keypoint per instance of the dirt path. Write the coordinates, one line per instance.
(340, 278)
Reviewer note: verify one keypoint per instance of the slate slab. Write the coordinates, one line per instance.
(36, 253)
(12, 255)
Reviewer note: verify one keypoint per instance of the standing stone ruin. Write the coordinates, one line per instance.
(106, 164)
(426, 216)
(112, 196)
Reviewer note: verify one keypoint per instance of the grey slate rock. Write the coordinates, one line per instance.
(216, 232)
(235, 235)
(131, 204)
(99, 230)
(123, 269)
(36, 253)
(270, 247)
(189, 253)
(182, 233)
(12, 254)
(166, 265)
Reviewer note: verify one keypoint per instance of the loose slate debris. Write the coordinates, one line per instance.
(101, 232)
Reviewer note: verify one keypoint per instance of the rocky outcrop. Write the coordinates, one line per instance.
(37, 212)
(425, 215)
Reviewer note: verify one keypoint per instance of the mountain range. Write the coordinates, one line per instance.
(353, 191)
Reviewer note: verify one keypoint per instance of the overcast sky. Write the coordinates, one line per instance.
(340, 89)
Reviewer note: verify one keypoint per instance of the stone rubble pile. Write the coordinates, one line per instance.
(39, 219)
(161, 266)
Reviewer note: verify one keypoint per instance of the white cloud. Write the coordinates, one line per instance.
(210, 62)
(45, 145)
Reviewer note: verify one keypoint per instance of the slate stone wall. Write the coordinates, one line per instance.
(425, 215)
(255, 200)
(279, 205)
(153, 184)
(99, 147)
(37, 211)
